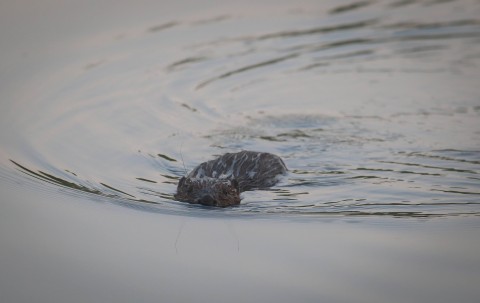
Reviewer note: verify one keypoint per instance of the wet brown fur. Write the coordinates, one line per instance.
(219, 182)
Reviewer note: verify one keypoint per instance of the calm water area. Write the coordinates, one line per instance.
(373, 105)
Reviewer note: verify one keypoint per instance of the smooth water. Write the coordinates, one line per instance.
(373, 105)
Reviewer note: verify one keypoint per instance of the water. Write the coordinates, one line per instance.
(373, 105)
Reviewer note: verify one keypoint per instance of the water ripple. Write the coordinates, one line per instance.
(373, 105)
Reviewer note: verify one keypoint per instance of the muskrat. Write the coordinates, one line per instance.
(219, 182)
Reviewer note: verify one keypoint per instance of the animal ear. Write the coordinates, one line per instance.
(235, 184)
(182, 180)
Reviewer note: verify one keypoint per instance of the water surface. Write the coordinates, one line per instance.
(373, 105)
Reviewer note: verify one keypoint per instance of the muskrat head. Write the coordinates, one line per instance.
(208, 191)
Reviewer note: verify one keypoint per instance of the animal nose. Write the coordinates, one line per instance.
(207, 200)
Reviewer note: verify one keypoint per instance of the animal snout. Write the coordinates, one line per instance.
(207, 200)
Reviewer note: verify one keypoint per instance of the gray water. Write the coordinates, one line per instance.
(373, 105)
